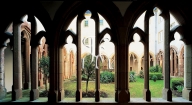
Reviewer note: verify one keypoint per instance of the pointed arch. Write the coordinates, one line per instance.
(140, 32)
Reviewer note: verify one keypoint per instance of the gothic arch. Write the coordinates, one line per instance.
(173, 62)
(151, 59)
(131, 17)
(175, 48)
(112, 61)
(72, 63)
(105, 62)
(133, 62)
(26, 68)
(35, 8)
(159, 58)
(63, 18)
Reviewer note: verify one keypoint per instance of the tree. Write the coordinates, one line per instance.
(89, 69)
(44, 65)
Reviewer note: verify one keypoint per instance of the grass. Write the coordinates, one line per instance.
(135, 88)
(71, 87)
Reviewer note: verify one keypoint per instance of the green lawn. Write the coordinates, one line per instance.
(135, 88)
(71, 88)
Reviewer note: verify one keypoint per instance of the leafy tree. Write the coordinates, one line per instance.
(44, 65)
(89, 69)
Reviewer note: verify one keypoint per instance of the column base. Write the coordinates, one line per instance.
(116, 95)
(187, 94)
(147, 94)
(123, 96)
(97, 96)
(34, 94)
(167, 94)
(78, 95)
(52, 96)
(61, 94)
(27, 85)
(16, 94)
(3, 92)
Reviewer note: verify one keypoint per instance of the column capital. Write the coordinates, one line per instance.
(18, 21)
(5, 39)
(31, 18)
(165, 14)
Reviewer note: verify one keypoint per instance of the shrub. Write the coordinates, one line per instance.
(132, 77)
(159, 76)
(106, 77)
(141, 74)
(176, 82)
(91, 93)
(132, 72)
(154, 78)
(69, 93)
(152, 69)
(156, 68)
(179, 88)
(159, 69)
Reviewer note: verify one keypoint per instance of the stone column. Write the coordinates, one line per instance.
(39, 73)
(17, 67)
(167, 94)
(139, 66)
(187, 93)
(175, 65)
(116, 74)
(41, 76)
(97, 72)
(67, 67)
(61, 63)
(27, 83)
(64, 68)
(171, 63)
(181, 65)
(146, 91)
(78, 44)
(34, 93)
(3, 90)
(70, 65)
(122, 58)
(53, 83)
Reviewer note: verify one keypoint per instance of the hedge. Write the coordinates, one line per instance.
(159, 76)
(175, 82)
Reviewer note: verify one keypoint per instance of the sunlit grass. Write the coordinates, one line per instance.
(156, 88)
(107, 88)
(135, 88)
